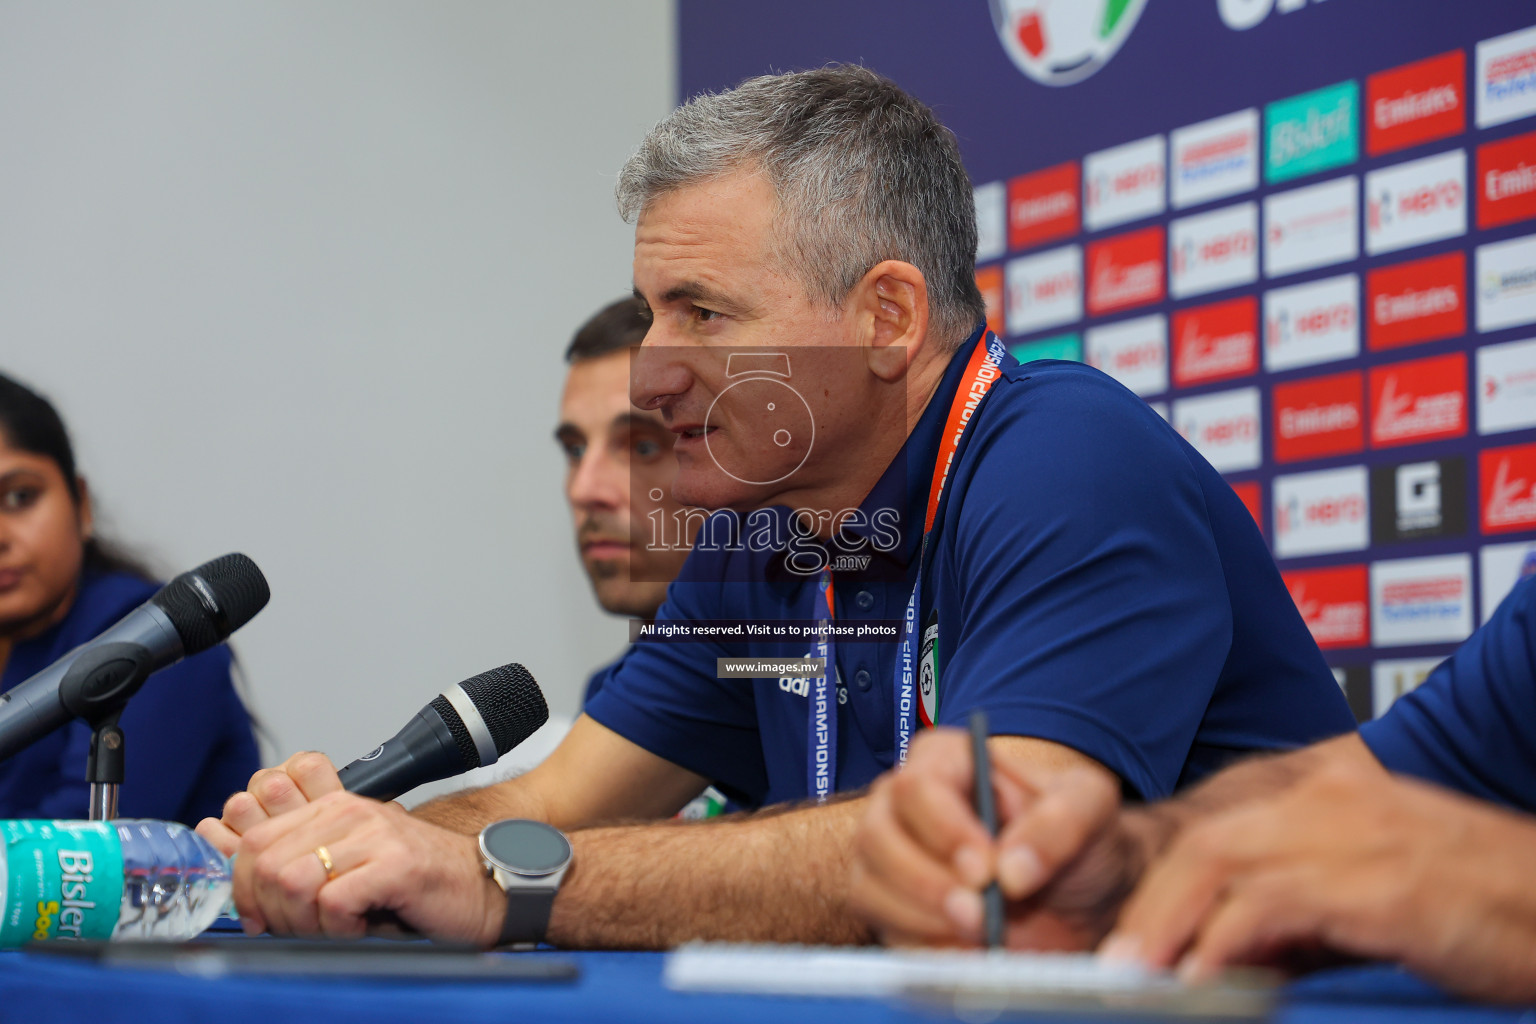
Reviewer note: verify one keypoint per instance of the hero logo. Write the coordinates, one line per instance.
(1422, 600)
(1124, 183)
(1045, 289)
(1245, 14)
(1216, 250)
(1506, 387)
(1125, 271)
(1416, 103)
(1222, 249)
(1215, 158)
(1334, 603)
(1424, 300)
(1506, 174)
(1215, 342)
(1319, 417)
(1420, 201)
(1319, 513)
(1224, 428)
(1423, 400)
(1134, 352)
(1509, 488)
(1312, 323)
(1506, 78)
(1063, 43)
(1107, 187)
(1506, 284)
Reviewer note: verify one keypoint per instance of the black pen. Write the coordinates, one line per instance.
(986, 810)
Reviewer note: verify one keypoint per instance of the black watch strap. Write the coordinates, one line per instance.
(527, 915)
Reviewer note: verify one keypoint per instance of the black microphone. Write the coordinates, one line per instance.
(469, 726)
(190, 614)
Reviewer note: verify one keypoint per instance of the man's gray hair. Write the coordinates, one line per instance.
(863, 173)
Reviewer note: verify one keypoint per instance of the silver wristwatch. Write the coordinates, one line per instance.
(528, 859)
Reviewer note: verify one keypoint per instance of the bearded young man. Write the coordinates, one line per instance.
(619, 471)
(1049, 549)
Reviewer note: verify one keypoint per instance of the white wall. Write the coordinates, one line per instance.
(299, 276)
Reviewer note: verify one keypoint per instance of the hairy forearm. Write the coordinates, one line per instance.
(470, 810)
(778, 876)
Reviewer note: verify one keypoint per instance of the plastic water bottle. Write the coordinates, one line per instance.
(96, 880)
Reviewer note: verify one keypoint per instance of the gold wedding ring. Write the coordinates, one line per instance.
(325, 862)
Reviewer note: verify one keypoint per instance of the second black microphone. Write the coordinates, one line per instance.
(470, 725)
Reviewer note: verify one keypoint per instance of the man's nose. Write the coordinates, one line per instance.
(659, 375)
(599, 480)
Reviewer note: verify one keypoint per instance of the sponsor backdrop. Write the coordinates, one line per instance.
(1305, 232)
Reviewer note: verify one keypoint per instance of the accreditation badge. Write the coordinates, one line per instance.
(928, 670)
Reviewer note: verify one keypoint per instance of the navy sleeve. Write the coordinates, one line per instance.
(1471, 725)
(665, 696)
(1094, 612)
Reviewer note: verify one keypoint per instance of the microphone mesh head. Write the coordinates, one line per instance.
(510, 702)
(469, 754)
(210, 602)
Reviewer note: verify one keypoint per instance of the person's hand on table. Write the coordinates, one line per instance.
(1353, 861)
(385, 866)
(1063, 857)
(293, 784)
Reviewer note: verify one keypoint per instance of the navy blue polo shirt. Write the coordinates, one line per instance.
(1096, 584)
(1471, 725)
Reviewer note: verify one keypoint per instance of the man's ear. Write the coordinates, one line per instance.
(892, 303)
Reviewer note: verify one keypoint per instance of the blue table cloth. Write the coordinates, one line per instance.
(615, 987)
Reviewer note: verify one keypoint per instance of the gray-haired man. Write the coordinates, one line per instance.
(1032, 541)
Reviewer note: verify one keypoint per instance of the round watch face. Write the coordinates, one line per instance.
(526, 847)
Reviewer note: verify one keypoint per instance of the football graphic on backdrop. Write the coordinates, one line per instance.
(1062, 42)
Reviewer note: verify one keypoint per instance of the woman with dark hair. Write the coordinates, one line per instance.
(188, 737)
